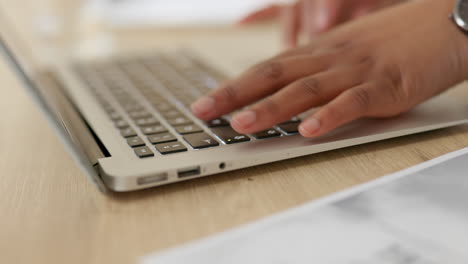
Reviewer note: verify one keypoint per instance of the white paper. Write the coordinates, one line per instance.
(417, 216)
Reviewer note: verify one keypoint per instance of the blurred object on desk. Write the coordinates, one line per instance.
(179, 12)
(73, 28)
(83, 29)
(91, 28)
(95, 38)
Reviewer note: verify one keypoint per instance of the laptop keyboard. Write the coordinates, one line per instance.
(151, 107)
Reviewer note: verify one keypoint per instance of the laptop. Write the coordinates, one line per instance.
(127, 123)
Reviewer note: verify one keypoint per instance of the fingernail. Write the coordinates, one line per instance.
(321, 19)
(245, 119)
(309, 127)
(203, 106)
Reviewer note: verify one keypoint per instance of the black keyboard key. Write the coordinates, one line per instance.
(108, 108)
(201, 140)
(121, 124)
(267, 134)
(229, 136)
(171, 114)
(219, 122)
(148, 121)
(143, 152)
(151, 96)
(187, 100)
(292, 120)
(128, 132)
(114, 116)
(290, 128)
(131, 107)
(170, 147)
(135, 142)
(179, 121)
(150, 130)
(162, 106)
(139, 114)
(188, 129)
(162, 138)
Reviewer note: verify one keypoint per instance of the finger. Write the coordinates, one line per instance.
(293, 52)
(258, 82)
(266, 13)
(296, 98)
(308, 16)
(348, 106)
(360, 12)
(291, 25)
(327, 14)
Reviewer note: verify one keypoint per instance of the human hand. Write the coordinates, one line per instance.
(315, 16)
(378, 66)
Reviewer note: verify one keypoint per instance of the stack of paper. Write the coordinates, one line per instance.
(418, 216)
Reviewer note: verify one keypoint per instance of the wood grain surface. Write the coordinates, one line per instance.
(50, 213)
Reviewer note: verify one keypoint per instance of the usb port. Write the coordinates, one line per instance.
(188, 172)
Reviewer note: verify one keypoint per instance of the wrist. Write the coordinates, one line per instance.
(457, 38)
(456, 41)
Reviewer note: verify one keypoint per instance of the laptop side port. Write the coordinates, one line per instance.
(152, 179)
(188, 172)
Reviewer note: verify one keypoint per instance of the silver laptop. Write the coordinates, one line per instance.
(126, 120)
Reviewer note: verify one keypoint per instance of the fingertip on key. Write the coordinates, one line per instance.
(310, 127)
(244, 120)
(203, 106)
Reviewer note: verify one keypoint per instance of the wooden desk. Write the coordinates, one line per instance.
(50, 213)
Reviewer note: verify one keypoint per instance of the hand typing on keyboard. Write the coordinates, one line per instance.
(315, 16)
(377, 66)
(146, 99)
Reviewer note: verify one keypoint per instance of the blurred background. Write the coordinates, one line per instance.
(96, 28)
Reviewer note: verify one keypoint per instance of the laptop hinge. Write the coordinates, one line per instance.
(72, 121)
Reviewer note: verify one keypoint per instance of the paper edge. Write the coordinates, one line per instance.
(238, 231)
